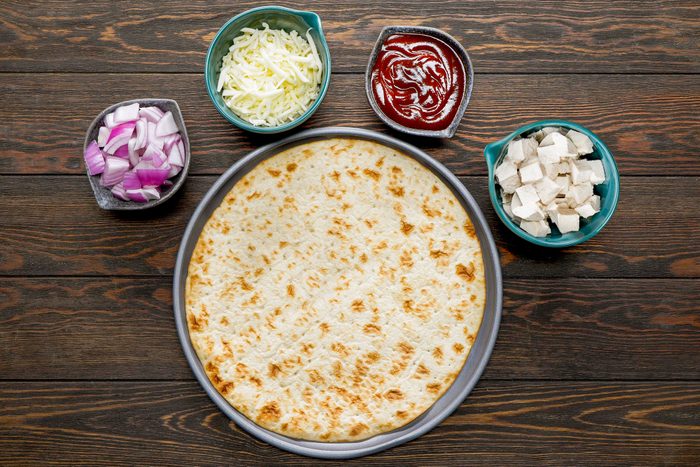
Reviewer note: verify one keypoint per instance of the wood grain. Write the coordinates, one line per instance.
(59, 230)
(651, 129)
(504, 36)
(109, 328)
(173, 423)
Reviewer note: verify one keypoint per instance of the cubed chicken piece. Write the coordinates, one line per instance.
(583, 143)
(530, 173)
(567, 221)
(563, 182)
(580, 172)
(505, 170)
(547, 190)
(529, 212)
(579, 193)
(597, 171)
(536, 228)
(527, 194)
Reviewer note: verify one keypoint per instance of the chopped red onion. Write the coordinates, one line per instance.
(166, 125)
(127, 113)
(141, 149)
(94, 159)
(115, 168)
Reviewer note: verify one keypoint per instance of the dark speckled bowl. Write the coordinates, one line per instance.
(103, 195)
(461, 54)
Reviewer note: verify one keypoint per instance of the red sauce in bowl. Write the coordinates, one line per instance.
(418, 81)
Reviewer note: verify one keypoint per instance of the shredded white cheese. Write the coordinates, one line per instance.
(270, 76)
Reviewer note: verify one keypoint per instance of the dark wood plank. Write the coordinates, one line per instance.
(69, 328)
(506, 36)
(59, 230)
(173, 423)
(650, 132)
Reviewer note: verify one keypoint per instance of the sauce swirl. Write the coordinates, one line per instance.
(418, 81)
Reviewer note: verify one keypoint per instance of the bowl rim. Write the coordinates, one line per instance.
(462, 55)
(492, 153)
(180, 177)
(325, 83)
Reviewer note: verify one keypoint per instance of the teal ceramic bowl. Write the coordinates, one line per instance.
(609, 191)
(278, 18)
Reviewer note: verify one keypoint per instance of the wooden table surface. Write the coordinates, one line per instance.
(598, 356)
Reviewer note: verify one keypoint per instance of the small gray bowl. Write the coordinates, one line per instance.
(103, 195)
(461, 54)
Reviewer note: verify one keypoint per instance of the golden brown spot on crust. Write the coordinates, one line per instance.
(372, 329)
(290, 290)
(437, 353)
(435, 189)
(274, 172)
(245, 285)
(213, 372)
(283, 244)
(307, 348)
(357, 429)
(437, 253)
(422, 370)
(266, 259)
(401, 414)
(196, 324)
(393, 395)
(337, 370)
(370, 223)
(406, 348)
(396, 190)
(324, 327)
(256, 381)
(380, 162)
(406, 259)
(340, 349)
(225, 388)
(457, 347)
(373, 174)
(471, 338)
(469, 229)
(258, 272)
(292, 167)
(352, 173)
(396, 170)
(363, 257)
(253, 195)
(434, 387)
(335, 175)
(380, 246)
(408, 306)
(357, 305)
(224, 321)
(315, 377)
(406, 227)
(430, 212)
(373, 357)
(273, 370)
(465, 272)
(269, 412)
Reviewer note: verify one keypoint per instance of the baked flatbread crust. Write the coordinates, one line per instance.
(336, 291)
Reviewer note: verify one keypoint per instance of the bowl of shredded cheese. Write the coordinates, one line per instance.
(268, 69)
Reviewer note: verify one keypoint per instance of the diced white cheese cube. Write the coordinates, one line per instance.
(563, 182)
(594, 201)
(547, 190)
(583, 143)
(515, 152)
(530, 173)
(536, 228)
(508, 210)
(579, 172)
(597, 171)
(585, 210)
(529, 212)
(579, 193)
(567, 221)
(505, 197)
(564, 168)
(552, 209)
(509, 185)
(527, 194)
(505, 170)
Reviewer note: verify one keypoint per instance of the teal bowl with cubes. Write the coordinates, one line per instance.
(609, 190)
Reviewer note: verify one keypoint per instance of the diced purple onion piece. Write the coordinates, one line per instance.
(119, 136)
(131, 181)
(152, 138)
(109, 120)
(127, 113)
(115, 168)
(102, 136)
(174, 170)
(122, 151)
(141, 133)
(119, 192)
(94, 159)
(175, 158)
(166, 125)
(154, 155)
(133, 152)
(152, 177)
(151, 114)
(170, 141)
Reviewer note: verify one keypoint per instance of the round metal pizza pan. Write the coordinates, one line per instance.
(478, 356)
